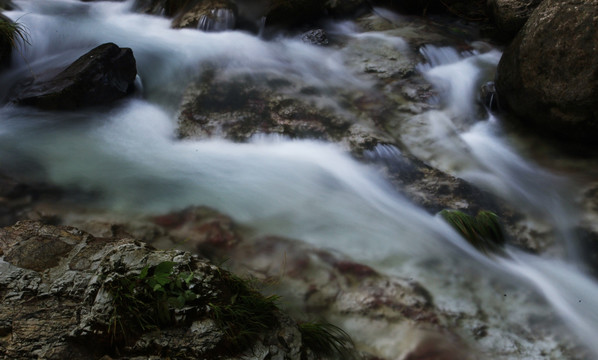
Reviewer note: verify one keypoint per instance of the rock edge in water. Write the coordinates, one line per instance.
(548, 76)
(104, 74)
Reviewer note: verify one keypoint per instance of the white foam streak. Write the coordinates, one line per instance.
(573, 295)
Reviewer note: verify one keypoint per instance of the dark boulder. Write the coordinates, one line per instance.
(297, 12)
(470, 9)
(6, 40)
(294, 12)
(105, 74)
(548, 76)
(509, 16)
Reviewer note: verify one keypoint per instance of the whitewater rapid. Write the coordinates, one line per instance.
(307, 190)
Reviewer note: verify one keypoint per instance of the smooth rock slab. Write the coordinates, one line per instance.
(105, 74)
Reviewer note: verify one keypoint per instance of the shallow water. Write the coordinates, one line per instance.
(307, 190)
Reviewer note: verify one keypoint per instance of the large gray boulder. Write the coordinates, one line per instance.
(63, 291)
(548, 76)
(509, 16)
(104, 74)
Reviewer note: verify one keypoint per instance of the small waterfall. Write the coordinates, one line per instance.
(261, 27)
(217, 20)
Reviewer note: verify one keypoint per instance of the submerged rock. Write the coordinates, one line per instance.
(19, 199)
(369, 121)
(58, 283)
(240, 107)
(548, 76)
(103, 75)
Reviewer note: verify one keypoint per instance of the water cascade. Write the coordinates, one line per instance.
(309, 190)
(217, 20)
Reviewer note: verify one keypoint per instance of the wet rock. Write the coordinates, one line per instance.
(56, 303)
(509, 16)
(369, 124)
(240, 107)
(294, 12)
(314, 283)
(315, 37)
(213, 15)
(18, 200)
(547, 76)
(388, 317)
(488, 96)
(587, 230)
(103, 75)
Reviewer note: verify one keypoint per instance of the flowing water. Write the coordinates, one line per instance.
(307, 190)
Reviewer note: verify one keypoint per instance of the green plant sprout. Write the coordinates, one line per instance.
(13, 32)
(483, 231)
(147, 301)
(243, 313)
(326, 341)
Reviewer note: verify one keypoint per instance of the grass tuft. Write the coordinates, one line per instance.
(326, 341)
(483, 231)
(147, 301)
(243, 313)
(162, 296)
(13, 33)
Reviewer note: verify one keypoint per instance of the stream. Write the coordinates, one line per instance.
(304, 189)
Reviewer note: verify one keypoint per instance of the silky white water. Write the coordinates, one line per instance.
(307, 190)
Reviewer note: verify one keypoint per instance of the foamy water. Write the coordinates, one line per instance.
(307, 190)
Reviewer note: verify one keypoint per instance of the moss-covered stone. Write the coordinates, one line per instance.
(61, 296)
